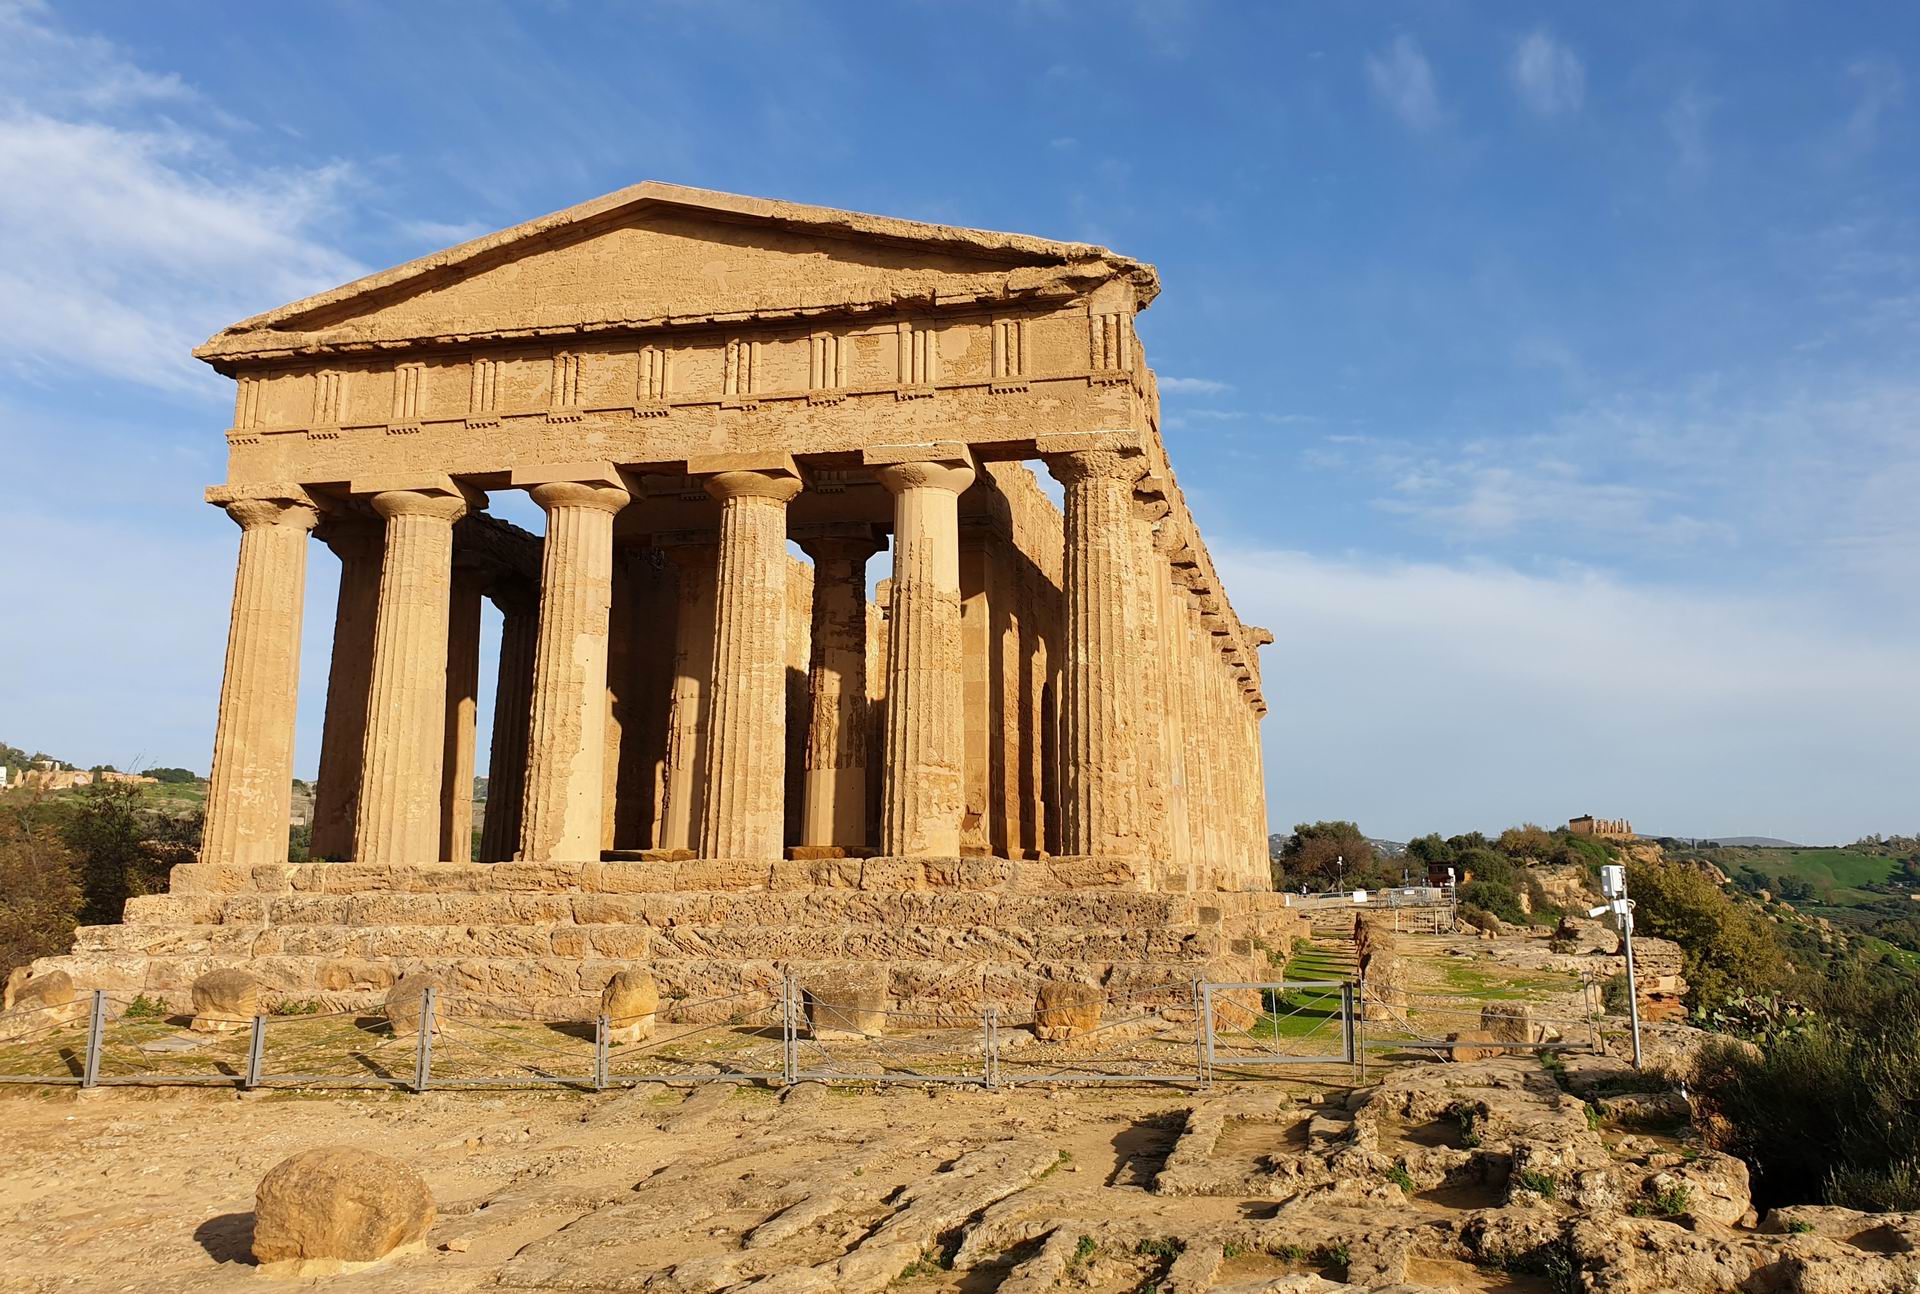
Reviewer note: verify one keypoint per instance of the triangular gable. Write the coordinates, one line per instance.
(661, 254)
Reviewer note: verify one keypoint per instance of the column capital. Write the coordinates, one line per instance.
(954, 478)
(1122, 464)
(276, 503)
(579, 494)
(427, 495)
(751, 484)
(514, 596)
(855, 540)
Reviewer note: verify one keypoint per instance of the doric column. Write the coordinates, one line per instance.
(463, 696)
(1170, 635)
(693, 555)
(519, 604)
(566, 744)
(357, 542)
(251, 789)
(399, 818)
(922, 797)
(1100, 715)
(835, 802)
(744, 816)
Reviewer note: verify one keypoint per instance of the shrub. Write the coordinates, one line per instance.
(39, 889)
(1541, 1184)
(1823, 1114)
(1729, 949)
(1400, 1177)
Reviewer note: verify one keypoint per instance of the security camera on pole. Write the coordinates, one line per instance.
(1613, 884)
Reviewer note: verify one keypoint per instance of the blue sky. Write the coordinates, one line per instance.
(1543, 376)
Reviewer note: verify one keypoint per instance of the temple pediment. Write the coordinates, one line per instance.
(658, 255)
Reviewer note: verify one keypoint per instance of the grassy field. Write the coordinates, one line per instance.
(1835, 874)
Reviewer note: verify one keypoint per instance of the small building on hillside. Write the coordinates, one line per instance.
(1603, 828)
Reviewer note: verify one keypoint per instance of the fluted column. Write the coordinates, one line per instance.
(250, 794)
(357, 542)
(743, 814)
(1100, 715)
(519, 605)
(567, 741)
(835, 804)
(693, 562)
(399, 818)
(1170, 634)
(463, 696)
(922, 792)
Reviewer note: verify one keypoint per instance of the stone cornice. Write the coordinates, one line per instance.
(1037, 269)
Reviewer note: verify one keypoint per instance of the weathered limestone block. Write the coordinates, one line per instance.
(335, 1209)
(1063, 1009)
(406, 999)
(34, 1002)
(1473, 1044)
(1512, 1022)
(630, 1002)
(225, 1000)
(846, 1001)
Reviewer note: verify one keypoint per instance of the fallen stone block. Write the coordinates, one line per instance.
(225, 1000)
(630, 1002)
(336, 1209)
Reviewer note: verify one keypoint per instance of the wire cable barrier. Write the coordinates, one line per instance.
(783, 1033)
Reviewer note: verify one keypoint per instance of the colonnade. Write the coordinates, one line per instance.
(1157, 748)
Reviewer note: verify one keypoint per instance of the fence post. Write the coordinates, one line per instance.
(789, 1032)
(423, 1056)
(96, 1034)
(1357, 1018)
(1348, 1037)
(1203, 1035)
(256, 1052)
(990, 1042)
(600, 1053)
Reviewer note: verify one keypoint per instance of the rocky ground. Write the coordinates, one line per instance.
(1497, 1175)
(1512, 1173)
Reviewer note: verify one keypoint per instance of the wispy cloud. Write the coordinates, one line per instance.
(1403, 79)
(1878, 88)
(1548, 76)
(1686, 121)
(1409, 658)
(1195, 385)
(129, 245)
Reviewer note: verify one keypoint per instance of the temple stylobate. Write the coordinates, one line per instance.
(693, 387)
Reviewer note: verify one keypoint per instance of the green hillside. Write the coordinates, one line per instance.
(1856, 875)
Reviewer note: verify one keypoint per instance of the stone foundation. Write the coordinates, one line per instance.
(954, 934)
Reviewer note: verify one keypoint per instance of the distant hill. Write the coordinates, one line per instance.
(1759, 842)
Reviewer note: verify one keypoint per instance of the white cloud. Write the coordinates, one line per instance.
(1879, 88)
(1547, 75)
(1418, 696)
(128, 246)
(1686, 122)
(1403, 79)
(1195, 385)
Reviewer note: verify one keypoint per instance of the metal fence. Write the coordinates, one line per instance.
(1173, 1034)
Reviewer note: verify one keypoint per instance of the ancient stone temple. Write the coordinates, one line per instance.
(1041, 705)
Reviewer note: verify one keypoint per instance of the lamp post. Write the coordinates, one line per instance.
(1613, 884)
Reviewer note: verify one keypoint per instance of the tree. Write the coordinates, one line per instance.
(39, 893)
(1529, 841)
(124, 849)
(1317, 850)
(1729, 949)
(174, 776)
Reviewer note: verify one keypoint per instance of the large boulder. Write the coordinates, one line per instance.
(850, 1002)
(336, 1208)
(37, 1002)
(1064, 1009)
(630, 1002)
(225, 1000)
(404, 1002)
